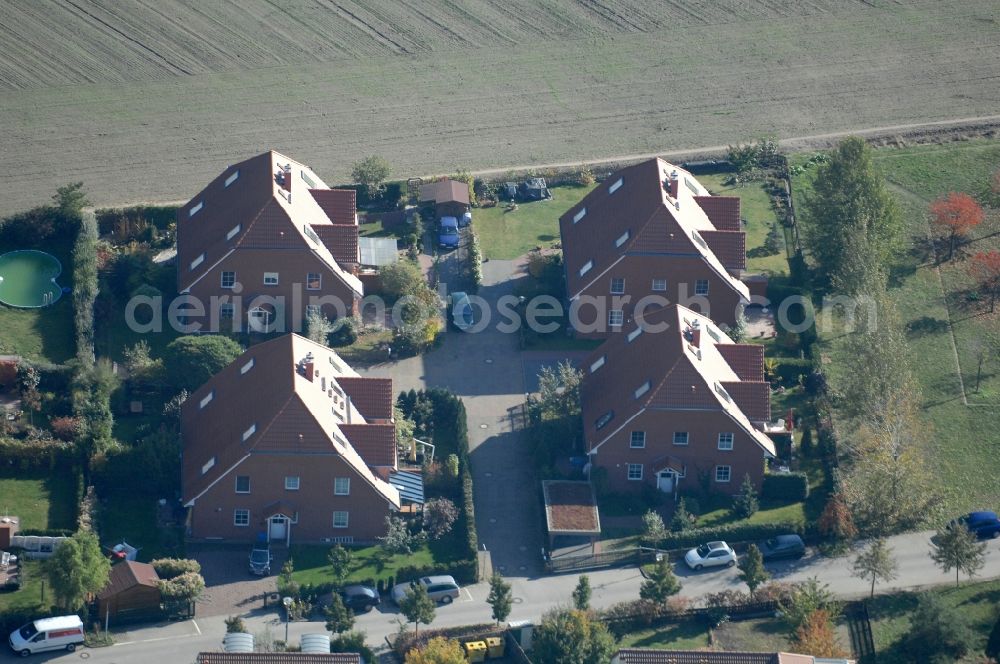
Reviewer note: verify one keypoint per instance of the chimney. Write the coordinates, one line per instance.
(696, 337)
(673, 183)
(348, 408)
(286, 181)
(308, 366)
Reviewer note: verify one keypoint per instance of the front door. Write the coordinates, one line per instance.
(665, 481)
(277, 529)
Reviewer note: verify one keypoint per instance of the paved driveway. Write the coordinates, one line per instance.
(229, 588)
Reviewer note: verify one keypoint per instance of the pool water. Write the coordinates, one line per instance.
(28, 279)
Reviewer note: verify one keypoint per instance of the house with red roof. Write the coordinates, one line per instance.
(288, 443)
(266, 241)
(674, 403)
(649, 235)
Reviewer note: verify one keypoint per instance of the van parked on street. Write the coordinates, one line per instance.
(60, 633)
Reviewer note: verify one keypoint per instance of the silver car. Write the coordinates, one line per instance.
(441, 589)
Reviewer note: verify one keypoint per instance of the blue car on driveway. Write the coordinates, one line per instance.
(448, 239)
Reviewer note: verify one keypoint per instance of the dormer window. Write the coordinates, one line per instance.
(232, 178)
(579, 215)
(616, 186)
(603, 420)
(196, 209)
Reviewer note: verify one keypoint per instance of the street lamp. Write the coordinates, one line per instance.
(287, 601)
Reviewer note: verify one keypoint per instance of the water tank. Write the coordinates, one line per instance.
(316, 643)
(238, 642)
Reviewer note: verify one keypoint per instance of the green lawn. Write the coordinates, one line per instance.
(39, 334)
(367, 563)
(41, 499)
(687, 635)
(960, 437)
(890, 617)
(755, 207)
(366, 350)
(29, 598)
(506, 235)
(126, 515)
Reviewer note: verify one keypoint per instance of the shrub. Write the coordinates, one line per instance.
(790, 487)
(171, 568)
(732, 532)
(745, 503)
(65, 428)
(439, 516)
(235, 625)
(345, 332)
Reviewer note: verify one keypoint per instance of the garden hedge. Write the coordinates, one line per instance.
(790, 487)
(732, 532)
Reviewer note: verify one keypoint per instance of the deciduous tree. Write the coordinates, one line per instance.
(836, 521)
(76, 569)
(500, 598)
(439, 516)
(956, 547)
(371, 172)
(660, 583)
(953, 218)
(339, 558)
(985, 269)
(939, 634)
(816, 636)
(752, 571)
(876, 563)
(190, 361)
(581, 594)
(417, 606)
(339, 618)
(567, 636)
(438, 650)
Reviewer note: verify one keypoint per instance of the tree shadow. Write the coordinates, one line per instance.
(926, 325)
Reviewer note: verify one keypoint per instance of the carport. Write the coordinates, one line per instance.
(571, 511)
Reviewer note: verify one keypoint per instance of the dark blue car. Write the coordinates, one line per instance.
(985, 525)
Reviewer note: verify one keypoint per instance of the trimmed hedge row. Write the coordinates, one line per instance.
(85, 287)
(791, 487)
(788, 370)
(35, 454)
(732, 532)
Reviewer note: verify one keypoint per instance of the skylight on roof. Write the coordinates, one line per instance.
(691, 185)
(308, 180)
(196, 209)
(586, 267)
(597, 364)
(579, 215)
(722, 392)
(198, 261)
(623, 238)
(616, 186)
(310, 233)
(642, 389)
(634, 333)
(232, 178)
(234, 231)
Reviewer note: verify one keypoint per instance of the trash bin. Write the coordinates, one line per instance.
(475, 650)
(494, 646)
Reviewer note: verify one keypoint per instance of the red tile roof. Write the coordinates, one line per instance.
(722, 211)
(376, 443)
(747, 360)
(445, 191)
(277, 658)
(754, 399)
(729, 246)
(650, 656)
(342, 241)
(128, 574)
(340, 205)
(570, 507)
(371, 396)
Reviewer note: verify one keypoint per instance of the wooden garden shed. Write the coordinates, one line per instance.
(132, 593)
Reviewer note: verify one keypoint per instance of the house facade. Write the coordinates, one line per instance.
(288, 443)
(263, 243)
(675, 404)
(647, 236)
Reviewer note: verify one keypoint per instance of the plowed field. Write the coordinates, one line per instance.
(147, 100)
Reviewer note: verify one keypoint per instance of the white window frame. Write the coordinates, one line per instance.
(657, 282)
(623, 238)
(620, 291)
(227, 310)
(198, 261)
(247, 367)
(234, 231)
(236, 484)
(616, 315)
(616, 185)
(726, 441)
(598, 363)
(292, 482)
(346, 519)
(629, 472)
(207, 399)
(729, 474)
(208, 466)
(249, 432)
(195, 209)
(319, 278)
(236, 520)
(587, 267)
(233, 178)
(637, 442)
(271, 279)
(681, 438)
(642, 389)
(698, 287)
(336, 486)
(579, 215)
(222, 279)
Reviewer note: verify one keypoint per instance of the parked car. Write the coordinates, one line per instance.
(448, 238)
(985, 525)
(712, 554)
(360, 599)
(60, 633)
(782, 546)
(461, 311)
(260, 561)
(441, 589)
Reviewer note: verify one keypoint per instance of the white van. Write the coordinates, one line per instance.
(48, 634)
